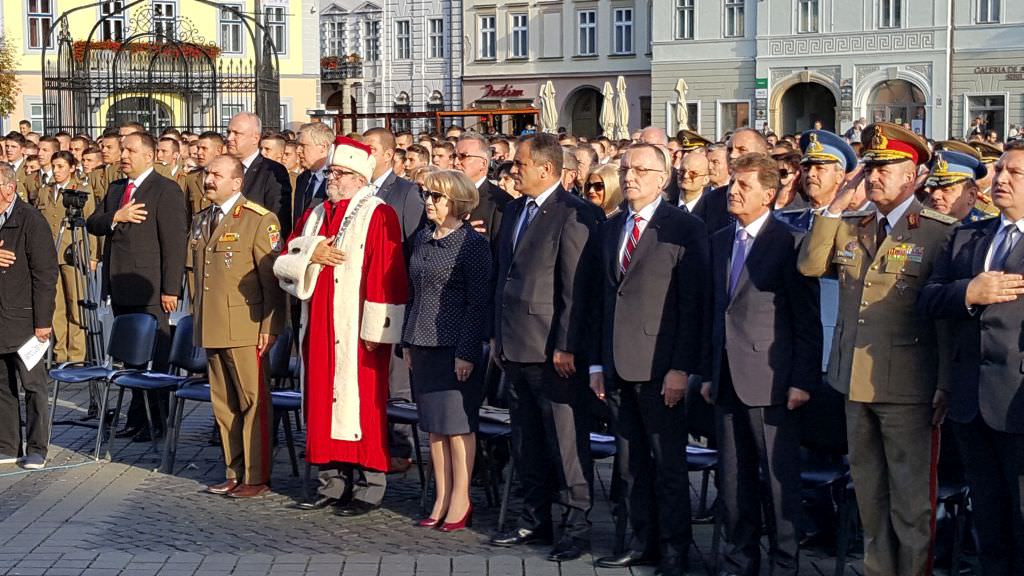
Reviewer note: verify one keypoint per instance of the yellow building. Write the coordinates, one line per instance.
(190, 64)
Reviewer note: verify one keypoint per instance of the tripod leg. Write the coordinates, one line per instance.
(53, 412)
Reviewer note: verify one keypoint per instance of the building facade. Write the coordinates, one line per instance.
(514, 47)
(104, 29)
(987, 66)
(791, 63)
(390, 56)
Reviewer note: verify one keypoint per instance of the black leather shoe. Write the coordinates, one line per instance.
(128, 431)
(567, 550)
(356, 508)
(625, 560)
(91, 414)
(520, 536)
(144, 436)
(319, 504)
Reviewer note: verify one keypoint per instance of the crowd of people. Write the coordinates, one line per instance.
(648, 281)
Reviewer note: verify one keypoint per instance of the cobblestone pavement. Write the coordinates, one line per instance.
(121, 517)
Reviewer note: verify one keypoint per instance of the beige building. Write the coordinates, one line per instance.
(513, 47)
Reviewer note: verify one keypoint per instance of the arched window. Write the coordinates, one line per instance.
(897, 101)
(436, 101)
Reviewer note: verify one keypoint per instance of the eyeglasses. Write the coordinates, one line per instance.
(434, 197)
(462, 156)
(624, 170)
(595, 186)
(691, 174)
(339, 173)
(784, 173)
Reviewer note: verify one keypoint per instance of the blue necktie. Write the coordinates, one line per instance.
(739, 256)
(531, 211)
(1003, 250)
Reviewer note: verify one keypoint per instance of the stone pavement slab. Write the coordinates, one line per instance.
(122, 518)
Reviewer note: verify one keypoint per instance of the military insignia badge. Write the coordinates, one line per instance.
(913, 221)
(815, 147)
(237, 212)
(229, 237)
(274, 235)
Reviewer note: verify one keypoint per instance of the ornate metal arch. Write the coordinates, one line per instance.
(91, 83)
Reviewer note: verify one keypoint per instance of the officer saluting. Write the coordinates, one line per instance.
(884, 355)
(239, 310)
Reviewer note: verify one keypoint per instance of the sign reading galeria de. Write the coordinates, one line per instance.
(1011, 72)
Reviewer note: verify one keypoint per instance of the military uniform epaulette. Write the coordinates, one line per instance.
(857, 213)
(939, 216)
(257, 208)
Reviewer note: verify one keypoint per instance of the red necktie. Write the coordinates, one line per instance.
(128, 191)
(634, 237)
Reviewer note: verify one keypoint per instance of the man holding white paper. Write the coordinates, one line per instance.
(28, 292)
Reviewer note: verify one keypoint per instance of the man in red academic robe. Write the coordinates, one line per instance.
(345, 263)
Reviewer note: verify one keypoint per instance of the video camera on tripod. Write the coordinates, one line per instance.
(74, 203)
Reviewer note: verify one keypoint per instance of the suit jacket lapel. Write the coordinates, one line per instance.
(987, 236)
(762, 243)
(612, 243)
(649, 236)
(250, 174)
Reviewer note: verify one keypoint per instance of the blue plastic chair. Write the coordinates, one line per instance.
(184, 356)
(132, 337)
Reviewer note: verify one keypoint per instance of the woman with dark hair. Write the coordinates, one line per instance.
(504, 177)
(789, 181)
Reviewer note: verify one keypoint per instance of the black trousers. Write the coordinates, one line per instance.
(650, 453)
(994, 465)
(759, 469)
(37, 417)
(158, 401)
(552, 447)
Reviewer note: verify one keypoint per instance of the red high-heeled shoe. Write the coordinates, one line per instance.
(466, 521)
(428, 523)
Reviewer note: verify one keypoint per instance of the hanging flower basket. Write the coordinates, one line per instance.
(192, 51)
(330, 63)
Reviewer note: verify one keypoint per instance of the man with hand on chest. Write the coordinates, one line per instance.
(239, 311)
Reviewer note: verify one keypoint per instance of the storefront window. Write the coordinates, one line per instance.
(732, 115)
(900, 102)
(992, 111)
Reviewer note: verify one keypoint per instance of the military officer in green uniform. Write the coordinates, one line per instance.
(884, 355)
(239, 311)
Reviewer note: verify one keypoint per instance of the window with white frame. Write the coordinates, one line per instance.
(165, 15)
(274, 18)
(227, 111)
(988, 11)
(735, 19)
(436, 37)
(890, 14)
(403, 39)
(334, 38)
(35, 116)
(519, 47)
(685, 19)
(112, 17)
(230, 29)
(807, 16)
(623, 31)
(586, 31)
(371, 40)
(488, 37)
(286, 116)
(40, 19)
(732, 115)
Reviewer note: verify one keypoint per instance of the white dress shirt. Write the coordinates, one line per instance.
(246, 162)
(1000, 234)
(646, 213)
(539, 201)
(380, 181)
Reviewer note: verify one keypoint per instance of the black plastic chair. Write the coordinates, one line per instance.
(184, 357)
(284, 399)
(132, 337)
(405, 412)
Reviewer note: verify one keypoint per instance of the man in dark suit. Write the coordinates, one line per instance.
(314, 143)
(144, 220)
(472, 158)
(543, 258)
(653, 268)
(28, 292)
(405, 198)
(713, 207)
(977, 283)
(402, 195)
(266, 182)
(765, 360)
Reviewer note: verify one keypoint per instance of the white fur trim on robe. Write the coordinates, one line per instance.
(382, 323)
(348, 277)
(295, 273)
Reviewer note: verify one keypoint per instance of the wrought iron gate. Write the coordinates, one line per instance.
(160, 73)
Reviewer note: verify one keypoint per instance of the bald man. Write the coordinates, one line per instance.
(714, 209)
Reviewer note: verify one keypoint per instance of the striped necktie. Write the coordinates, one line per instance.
(634, 237)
